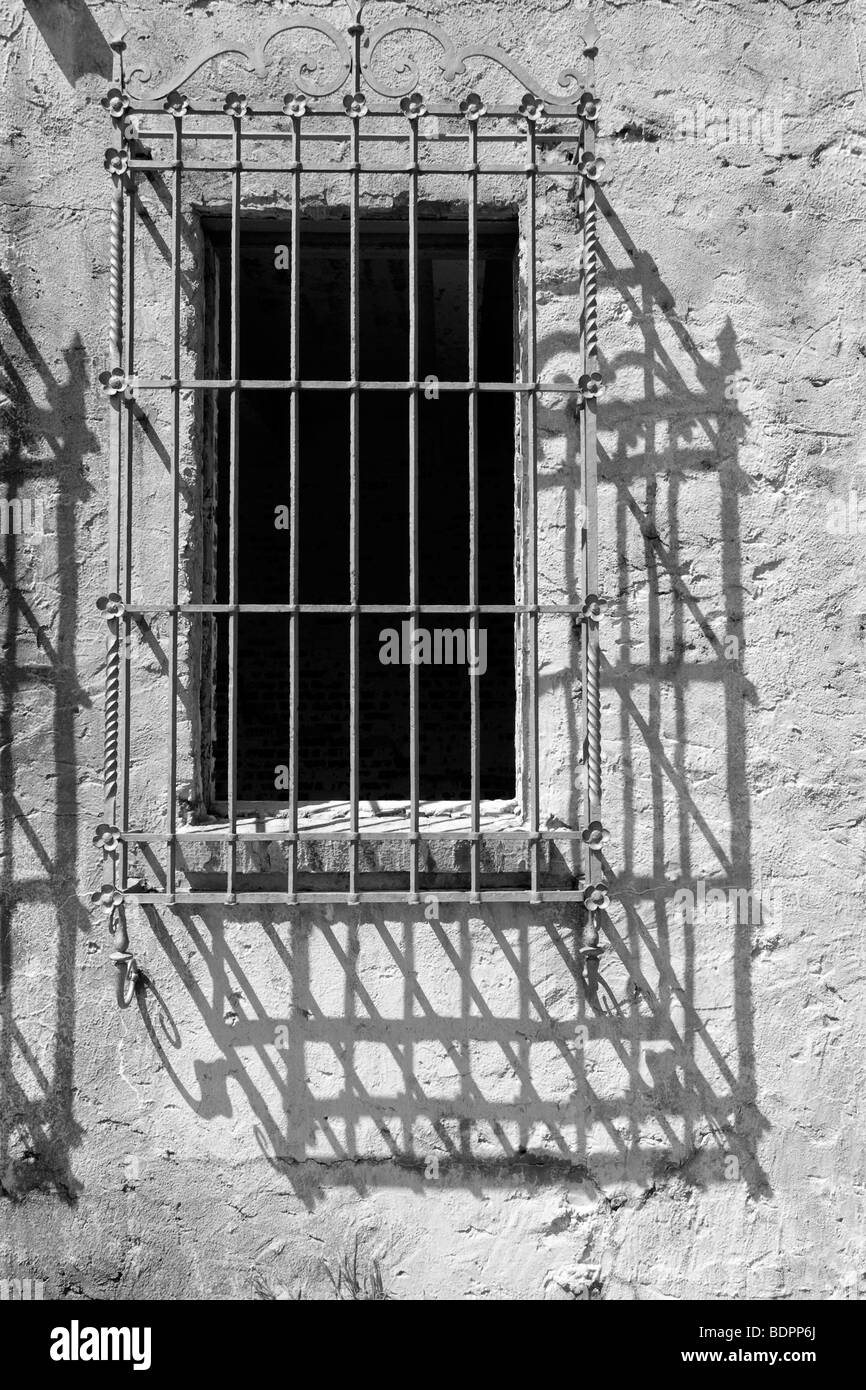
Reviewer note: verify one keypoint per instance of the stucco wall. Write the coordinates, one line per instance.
(288, 1084)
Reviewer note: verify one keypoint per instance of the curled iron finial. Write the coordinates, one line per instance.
(452, 62)
(112, 900)
(591, 35)
(253, 58)
(346, 65)
(128, 976)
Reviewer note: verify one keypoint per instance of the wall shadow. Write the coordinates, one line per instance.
(672, 1094)
(702, 430)
(43, 447)
(73, 37)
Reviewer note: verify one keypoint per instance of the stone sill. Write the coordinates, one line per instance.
(323, 855)
(333, 817)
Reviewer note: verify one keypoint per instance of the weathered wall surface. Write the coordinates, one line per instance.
(290, 1084)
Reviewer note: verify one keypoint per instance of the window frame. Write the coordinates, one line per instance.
(263, 231)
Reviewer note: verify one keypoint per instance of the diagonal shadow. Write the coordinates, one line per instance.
(363, 1088)
(38, 680)
(73, 38)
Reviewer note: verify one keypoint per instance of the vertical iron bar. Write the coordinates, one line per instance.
(125, 566)
(474, 732)
(414, 790)
(124, 962)
(592, 709)
(111, 715)
(531, 549)
(234, 450)
(354, 412)
(127, 970)
(126, 967)
(112, 651)
(171, 817)
(294, 409)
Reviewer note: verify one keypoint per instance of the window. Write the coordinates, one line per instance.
(387, 636)
(333, 461)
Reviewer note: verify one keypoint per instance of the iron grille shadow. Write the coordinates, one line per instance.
(681, 1088)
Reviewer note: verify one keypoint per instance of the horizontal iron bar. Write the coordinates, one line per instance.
(485, 895)
(558, 112)
(288, 836)
(286, 384)
(140, 610)
(374, 136)
(153, 166)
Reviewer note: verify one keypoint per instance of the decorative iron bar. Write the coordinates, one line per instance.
(111, 897)
(139, 110)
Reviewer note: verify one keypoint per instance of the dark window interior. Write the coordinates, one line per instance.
(383, 542)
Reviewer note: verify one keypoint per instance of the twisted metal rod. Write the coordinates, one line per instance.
(590, 270)
(593, 716)
(115, 276)
(112, 650)
(112, 712)
(596, 892)
(127, 973)
(593, 700)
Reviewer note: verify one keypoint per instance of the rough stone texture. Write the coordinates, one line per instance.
(426, 1087)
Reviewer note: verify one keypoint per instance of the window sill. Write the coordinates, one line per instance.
(332, 818)
(444, 835)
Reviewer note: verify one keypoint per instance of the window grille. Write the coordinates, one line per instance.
(358, 113)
